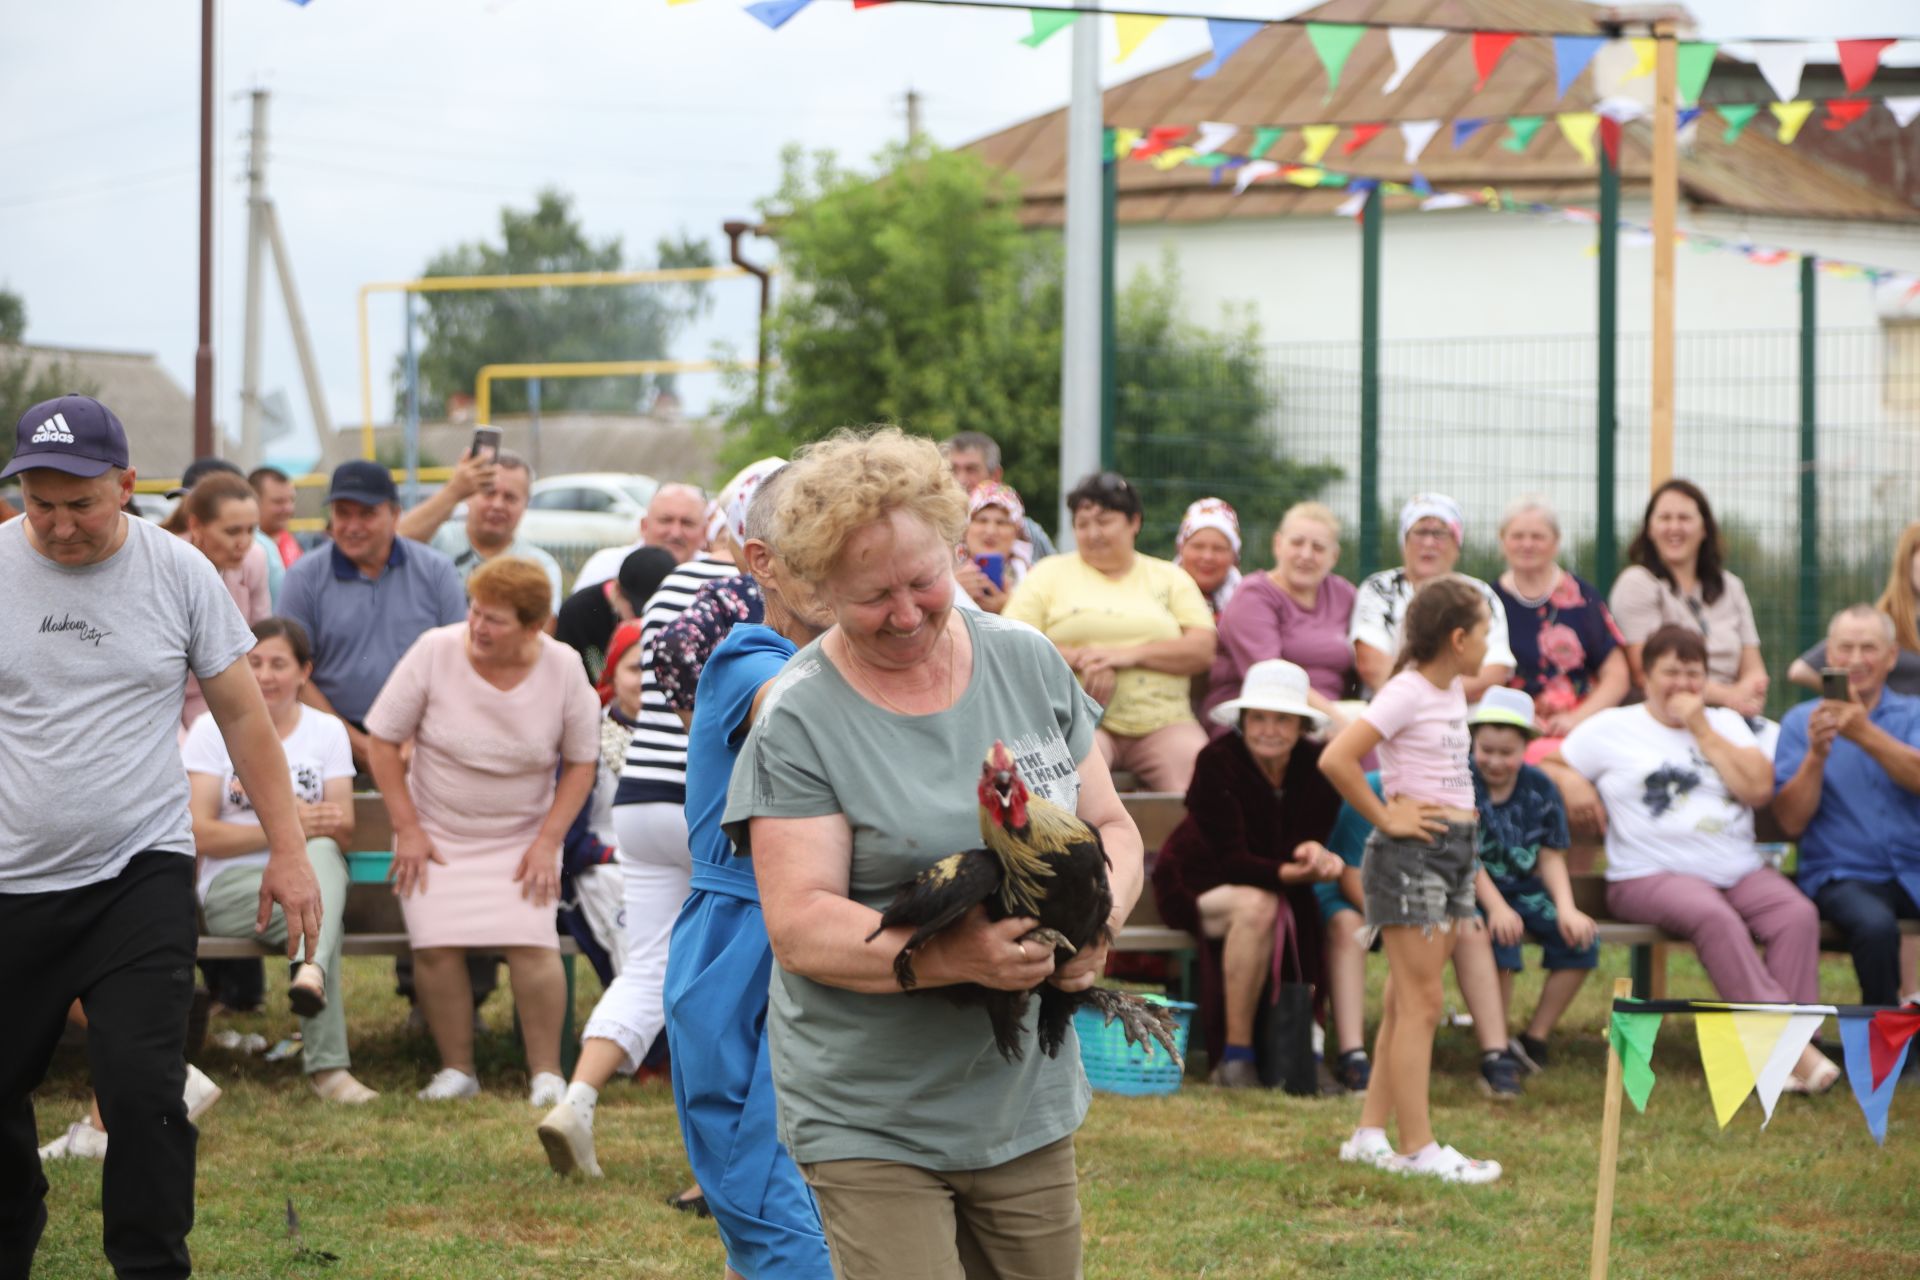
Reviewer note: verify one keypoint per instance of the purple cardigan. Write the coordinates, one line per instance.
(1262, 621)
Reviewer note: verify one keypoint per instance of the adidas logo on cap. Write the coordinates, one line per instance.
(53, 431)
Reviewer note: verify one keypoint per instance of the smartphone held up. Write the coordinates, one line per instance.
(1834, 685)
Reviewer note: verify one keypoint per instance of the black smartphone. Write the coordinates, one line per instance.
(1834, 684)
(486, 443)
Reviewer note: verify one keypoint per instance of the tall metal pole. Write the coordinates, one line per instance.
(1809, 622)
(1109, 310)
(203, 353)
(1080, 336)
(533, 408)
(413, 407)
(1370, 382)
(256, 242)
(1666, 203)
(1606, 551)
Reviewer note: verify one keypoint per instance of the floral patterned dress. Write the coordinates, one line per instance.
(1559, 643)
(680, 654)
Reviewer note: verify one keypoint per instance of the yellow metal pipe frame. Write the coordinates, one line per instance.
(532, 280)
(483, 384)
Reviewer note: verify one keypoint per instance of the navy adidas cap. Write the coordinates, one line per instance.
(367, 483)
(74, 434)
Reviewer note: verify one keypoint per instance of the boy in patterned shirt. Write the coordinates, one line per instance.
(1523, 885)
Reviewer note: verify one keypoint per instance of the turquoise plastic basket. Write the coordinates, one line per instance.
(368, 867)
(1114, 1066)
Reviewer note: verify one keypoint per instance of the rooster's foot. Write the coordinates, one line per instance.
(1143, 1021)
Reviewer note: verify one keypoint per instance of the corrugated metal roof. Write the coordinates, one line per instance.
(1276, 77)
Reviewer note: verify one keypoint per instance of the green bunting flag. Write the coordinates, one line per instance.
(1522, 130)
(1334, 42)
(1633, 1035)
(1737, 118)
(1263, 140)
(1047, 23)
(1694, 63)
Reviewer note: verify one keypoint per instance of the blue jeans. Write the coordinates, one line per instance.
(1869, 913)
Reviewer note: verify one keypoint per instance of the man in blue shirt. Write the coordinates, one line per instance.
(367, 597)
(1847, 787)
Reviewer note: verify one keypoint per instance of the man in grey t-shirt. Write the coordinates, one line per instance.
(105, 618)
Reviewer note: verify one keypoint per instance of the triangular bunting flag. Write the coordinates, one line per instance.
(1213, 136)
(1791, 115)
(1842, 112)
(1362, 135)
(1129, 29)
(1409, 45)
(1420, 186)
(1646, 52)
(1892, 1029)
(1172, 157)
(1047, 22)
(1758, 1032)
(1694, 65)
(1304, 175)
(1571, 54)
(1418, 133)
(1610, 139)
(1904, 109)
(1121, 142)
(1158, 139)
(1318, 138)
(1737, 117)
(1686, 116)
(1724, 1060)
(1577, 127)
(1770, 1073)
(1354, 205)
(1446, 200)
(1227, 36)
(1263, 140)
(1859, 59)
(1334, 42)
(1633, 1035)
(1855, 1037)
(1488, 46)
(1464, 129)
(1521, 130)
(1782, 65)
(776, 13)
(870, 4)
(1252, 173)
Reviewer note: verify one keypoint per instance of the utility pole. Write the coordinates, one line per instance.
(256, 243)
(913, 116)
(297, 321)
(203, 352)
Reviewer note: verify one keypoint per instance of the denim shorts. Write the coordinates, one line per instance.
(1529, 899)
(1419, 883)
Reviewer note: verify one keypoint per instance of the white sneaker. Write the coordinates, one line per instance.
(547, 1089)
(449, 1084)
(200, 1093)
(568, 1137)
(1447, 1165)
(81, 1141)
(1372, 1150)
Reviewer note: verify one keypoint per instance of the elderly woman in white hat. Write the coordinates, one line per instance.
(1248, 854)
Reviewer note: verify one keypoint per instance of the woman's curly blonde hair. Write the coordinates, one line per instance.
(854, 477)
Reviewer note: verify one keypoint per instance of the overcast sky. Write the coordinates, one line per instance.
(400, 127)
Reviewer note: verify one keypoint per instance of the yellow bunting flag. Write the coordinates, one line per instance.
(1645, 53)
(1791, 116)
(1172, 156)
(1129, 29)
(1306, 177)
(1724, 1059)
(1577, 127)
(1319, 137)
(1124, 141)
(1774, 1042)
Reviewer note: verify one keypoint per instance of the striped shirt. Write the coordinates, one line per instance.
(656, 766)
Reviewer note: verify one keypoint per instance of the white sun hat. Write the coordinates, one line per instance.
(1272, 685)
(1509, 707)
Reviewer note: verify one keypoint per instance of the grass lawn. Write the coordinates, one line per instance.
(1204, 1183)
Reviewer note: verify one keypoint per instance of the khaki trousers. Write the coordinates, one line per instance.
(890, 1221)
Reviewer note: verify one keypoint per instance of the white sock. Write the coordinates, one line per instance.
(1425, 1154)
(1367, 1133)
(582, 1097)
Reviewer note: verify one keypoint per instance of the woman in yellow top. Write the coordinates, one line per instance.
(1134, 628)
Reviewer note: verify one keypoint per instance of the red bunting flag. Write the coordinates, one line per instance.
(1488, 46)
(1362, 135)
(1610, 139)
(1891, 1029)
(1859, 59)
(1842, 112)
(1158, 139)
(870, 4)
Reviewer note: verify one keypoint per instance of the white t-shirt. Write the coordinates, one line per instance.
(1380, 610)
(317, 752)
(1667, 808)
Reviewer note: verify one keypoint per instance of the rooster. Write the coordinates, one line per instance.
(1037, 860)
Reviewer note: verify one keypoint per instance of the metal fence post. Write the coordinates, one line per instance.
(1370, 383)
(413, 407)
(1605, 524)
(533, 408)
(1809, 620)
(1109, 317)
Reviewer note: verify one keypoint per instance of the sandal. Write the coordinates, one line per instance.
(307, 993)
(338, 1085)
(695, 1204)
(1824, 1077)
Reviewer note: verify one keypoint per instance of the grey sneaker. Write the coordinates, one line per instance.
(1500, 1077)
(1238, 1074)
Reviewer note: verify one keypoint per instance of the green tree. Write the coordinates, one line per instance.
(20, 387)
(461, 331)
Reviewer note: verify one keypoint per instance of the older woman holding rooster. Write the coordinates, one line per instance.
(931, 1152)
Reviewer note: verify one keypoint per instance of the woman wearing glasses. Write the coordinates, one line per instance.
(1675, 579)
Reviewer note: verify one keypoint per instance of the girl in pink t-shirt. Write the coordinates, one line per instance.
(1418, 875)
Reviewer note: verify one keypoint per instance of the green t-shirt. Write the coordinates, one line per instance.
(893, 1077)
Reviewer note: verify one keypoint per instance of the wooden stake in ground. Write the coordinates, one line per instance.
(1609, 1143)
(1666, 200)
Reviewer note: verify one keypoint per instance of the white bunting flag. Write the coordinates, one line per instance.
(1213, 136)
(1409, 45)
(1419, 133)
(1782, 65)
(1251, 172)
(1904, 109)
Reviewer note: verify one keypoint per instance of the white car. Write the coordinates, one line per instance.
(591, 509)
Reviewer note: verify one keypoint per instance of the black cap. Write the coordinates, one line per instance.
(367, 483)
(642, 572)
(198, 470)
(74, 434)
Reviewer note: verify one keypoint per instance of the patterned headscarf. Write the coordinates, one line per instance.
(1210, 513)
(994, 494)
(625, 636)
(1438, 506)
